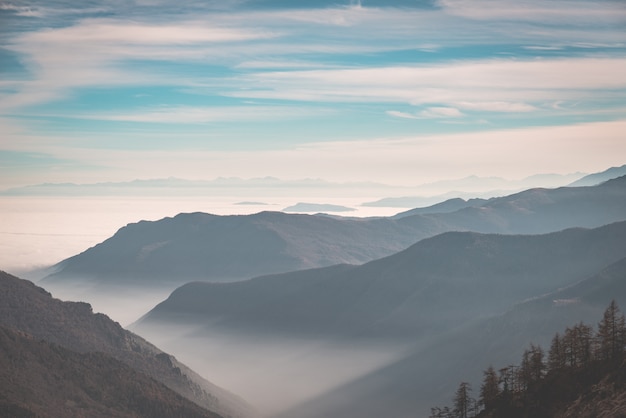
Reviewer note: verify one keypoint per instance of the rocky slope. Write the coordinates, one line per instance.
(72, 325)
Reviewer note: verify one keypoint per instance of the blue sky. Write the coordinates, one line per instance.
(398, 92)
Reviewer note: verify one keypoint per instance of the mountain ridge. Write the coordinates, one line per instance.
(30, 309)
(41, 379)
(389, 290)
(200, 246)
(463, 354)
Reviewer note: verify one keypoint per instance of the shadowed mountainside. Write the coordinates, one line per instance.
(72, 325)
(40, 379)
(200, 246)
(430, 374)
(435, 284)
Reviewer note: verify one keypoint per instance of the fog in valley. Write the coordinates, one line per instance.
(273, 373)
(312, 209)
(123, 304)
(354, 317)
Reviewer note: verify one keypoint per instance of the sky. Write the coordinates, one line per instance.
(397, 92)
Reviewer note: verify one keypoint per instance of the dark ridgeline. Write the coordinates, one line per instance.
(437, 284)
(63, 360)
(583, 375)
(199, 246)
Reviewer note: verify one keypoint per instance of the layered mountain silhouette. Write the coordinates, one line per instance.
(84, 364)
(463, 300)
(597, 178)
(458, 275)
(430, 374)
(200, 246)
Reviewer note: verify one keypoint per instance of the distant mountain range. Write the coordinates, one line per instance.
(421, 194)
(176, 187)
(597, 178)
(473, 187)
(200, 246)
(72, 362)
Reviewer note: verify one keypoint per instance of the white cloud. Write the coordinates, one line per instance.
(441, 112)
(497, 107)
(492, 85)
(103, 32)
(96, 52)
(284, 64)
(435, 112)
(196, 115)
(557, 11)
(403, 115)
(26, 11)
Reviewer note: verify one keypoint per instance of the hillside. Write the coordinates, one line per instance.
(597, 178)
(200, 246)
(447, 206)
(72, 325)
(430, 373)
(40, 379)
(431, 315)
(581, 374)
(459, 275)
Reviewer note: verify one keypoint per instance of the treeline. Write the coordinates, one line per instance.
(577, 359)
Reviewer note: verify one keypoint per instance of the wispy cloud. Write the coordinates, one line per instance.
(491, 85)
(497, 106)
(568, 12)
(436, 112)
(26, 11)
(514, 63)
(197, 115)
(441, 112)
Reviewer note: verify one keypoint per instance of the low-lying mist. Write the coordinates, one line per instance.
(271, 372)
(124, 303)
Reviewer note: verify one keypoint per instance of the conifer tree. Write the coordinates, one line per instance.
(462, 400)
(556, 355)
(577, 343)
(532, 367)
(611, 336)
(490, 388)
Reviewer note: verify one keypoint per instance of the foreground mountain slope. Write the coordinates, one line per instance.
(437, 283)
(73, 325)
(40, 379)
(200, 246)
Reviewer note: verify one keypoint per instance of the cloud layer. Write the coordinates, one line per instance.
(226, 81)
